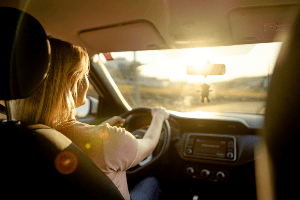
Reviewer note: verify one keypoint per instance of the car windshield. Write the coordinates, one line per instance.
(159, 77)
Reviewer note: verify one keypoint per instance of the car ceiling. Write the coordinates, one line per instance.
(126, 25)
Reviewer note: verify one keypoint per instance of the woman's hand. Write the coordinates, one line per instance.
(160, 113)
(151, 137)
(114, 121)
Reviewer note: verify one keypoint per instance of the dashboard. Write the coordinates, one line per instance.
(211, 146)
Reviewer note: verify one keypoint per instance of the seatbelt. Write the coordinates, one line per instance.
(2, 109)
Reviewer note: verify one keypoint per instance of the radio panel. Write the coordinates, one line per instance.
(210, 146)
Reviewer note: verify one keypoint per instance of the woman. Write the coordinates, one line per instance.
(112, 149)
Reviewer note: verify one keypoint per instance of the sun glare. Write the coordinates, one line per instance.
(240, 61)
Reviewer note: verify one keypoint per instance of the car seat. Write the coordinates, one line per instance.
(277, 168)
(38, 162)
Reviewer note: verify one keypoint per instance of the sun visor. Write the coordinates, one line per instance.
(261, 24)
(131, 36)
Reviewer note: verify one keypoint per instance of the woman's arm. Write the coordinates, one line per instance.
(147, 145)
(114, 121)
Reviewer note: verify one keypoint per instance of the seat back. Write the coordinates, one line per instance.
(277, 170)
(38, 162)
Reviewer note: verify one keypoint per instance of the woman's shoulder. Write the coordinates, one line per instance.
(102, 130)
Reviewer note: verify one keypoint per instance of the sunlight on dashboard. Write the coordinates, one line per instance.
(195, 114)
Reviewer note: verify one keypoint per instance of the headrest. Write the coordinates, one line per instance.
(25, 56)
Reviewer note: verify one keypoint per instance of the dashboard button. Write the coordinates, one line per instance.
(230, 150)
(189, 151)
(191, 141)
(220, 175)
(204, 173)
(230, 144)
(189, 171)
(229, 155)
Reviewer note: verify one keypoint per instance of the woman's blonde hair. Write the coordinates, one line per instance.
(54, 102)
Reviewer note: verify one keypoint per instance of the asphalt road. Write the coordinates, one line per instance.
(256, 107)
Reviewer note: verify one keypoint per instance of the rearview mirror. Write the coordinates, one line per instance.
(206, 69)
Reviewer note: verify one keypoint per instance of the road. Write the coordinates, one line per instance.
(256, 107)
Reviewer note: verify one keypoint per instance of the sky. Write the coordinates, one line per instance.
(240, 61)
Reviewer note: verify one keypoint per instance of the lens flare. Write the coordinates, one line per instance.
(66, 162)
(87, 146)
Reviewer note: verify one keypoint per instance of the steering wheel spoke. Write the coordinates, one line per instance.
(146, 160)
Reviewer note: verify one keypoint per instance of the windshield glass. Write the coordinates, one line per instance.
(159, 78)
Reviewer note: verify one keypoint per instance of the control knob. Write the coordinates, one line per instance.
(189, 171)
(220, 176)
(204, 173)
(189, 151)
(230, 155)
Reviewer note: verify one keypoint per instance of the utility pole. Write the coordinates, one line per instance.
(136, 81)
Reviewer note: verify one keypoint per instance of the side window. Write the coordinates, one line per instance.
(92, 92)
(90, 109)
(93, 97)
(88, 112)
(2, 116)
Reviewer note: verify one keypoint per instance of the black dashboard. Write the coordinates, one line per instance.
(209, 146)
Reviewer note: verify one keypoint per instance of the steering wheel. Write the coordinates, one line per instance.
(166, 135)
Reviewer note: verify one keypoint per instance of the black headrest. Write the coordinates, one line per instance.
(25, 55)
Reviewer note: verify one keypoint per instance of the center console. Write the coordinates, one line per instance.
(210, 146)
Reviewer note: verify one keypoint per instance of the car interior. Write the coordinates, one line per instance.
(227, 71)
